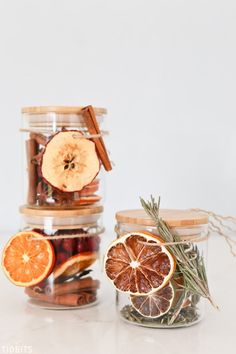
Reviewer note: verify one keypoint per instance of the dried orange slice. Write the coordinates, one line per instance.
(70, 162)
(90, 189)
(156, 304)
(75, 264)
(92, 199)
(27, 261)
(137, 263)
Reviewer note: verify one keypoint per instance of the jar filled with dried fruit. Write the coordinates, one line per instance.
(65, 156)
(157, 265)
(56, 257)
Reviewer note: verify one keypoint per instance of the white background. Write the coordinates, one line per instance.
(164, 69)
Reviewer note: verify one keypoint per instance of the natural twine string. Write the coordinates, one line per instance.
(219, 216)
(216, 225)
(99, 231)
(186, 239)
(86, 136)
(184, 242)
(75, 136)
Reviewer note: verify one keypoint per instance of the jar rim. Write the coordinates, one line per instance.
(173, 217)
(63, 213)
(60, 110)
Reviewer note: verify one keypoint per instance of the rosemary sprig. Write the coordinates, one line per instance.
(189, 261)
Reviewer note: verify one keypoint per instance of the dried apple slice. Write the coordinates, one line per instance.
(69, 163)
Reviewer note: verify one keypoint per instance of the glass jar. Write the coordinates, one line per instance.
(174, 305)
(62, 165)
(75, 236)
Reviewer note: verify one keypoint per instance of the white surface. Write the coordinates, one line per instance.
(98, 330)
(165, 70)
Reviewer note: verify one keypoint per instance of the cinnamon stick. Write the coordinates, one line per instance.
(74, 286)
(93, 128)
(36, 159)
(86, 298)
(80, 299)
(39, 138)
(31, 151)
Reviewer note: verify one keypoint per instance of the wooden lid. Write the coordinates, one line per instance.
(63, 213)
(60, 110)
(173, 217)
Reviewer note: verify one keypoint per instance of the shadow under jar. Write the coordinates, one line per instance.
(75, 237)
(62, 166)
(173, 305)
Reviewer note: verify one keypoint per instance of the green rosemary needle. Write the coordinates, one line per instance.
(189, 261)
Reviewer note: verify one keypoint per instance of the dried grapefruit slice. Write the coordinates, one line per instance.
(156, 304)
(27, 261)
(69, 163)
(137, 267)
(75, 264)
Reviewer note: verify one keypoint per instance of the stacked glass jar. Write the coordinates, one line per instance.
(75, 235)
(58, 246)
(63, 159)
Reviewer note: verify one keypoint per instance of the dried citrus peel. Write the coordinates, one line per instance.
(156, 304)
(27, 261)
(75, 264)
(137, 263)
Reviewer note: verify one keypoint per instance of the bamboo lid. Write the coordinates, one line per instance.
(61, 213)
(60, 110)
(173, 217)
